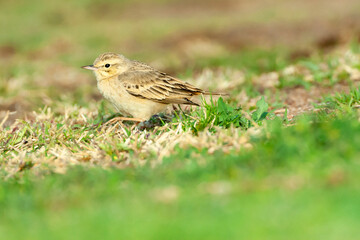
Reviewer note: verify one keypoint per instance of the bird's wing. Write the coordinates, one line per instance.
(158, 87)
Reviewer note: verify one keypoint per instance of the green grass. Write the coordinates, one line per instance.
(344, 100)
(124, 214)
(275, 189)
(219, 113)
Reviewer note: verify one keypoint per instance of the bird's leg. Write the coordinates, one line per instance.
(135, 125)
(121, 119)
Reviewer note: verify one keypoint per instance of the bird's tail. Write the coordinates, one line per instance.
(215, 93)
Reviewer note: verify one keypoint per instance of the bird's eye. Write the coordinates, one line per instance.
(107, 65)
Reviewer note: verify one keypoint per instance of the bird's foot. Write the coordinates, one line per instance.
(121, 119)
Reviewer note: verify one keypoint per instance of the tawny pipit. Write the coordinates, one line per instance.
(137, 89)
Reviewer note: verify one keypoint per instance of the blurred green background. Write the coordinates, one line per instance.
(78, 31)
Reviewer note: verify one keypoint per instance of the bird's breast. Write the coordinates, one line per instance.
(127, 104)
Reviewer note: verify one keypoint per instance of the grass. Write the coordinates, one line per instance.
(344, 100)
(276, 159)
(193, 192)
(192, 213)
(223, 164)
(223, 115)
(251, 176)
(217, 171)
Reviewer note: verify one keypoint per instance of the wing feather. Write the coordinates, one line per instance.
(159, 87)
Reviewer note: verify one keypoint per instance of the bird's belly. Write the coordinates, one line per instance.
(127, 104)
(143, 110)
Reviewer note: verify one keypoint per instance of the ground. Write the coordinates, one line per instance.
(278, 157)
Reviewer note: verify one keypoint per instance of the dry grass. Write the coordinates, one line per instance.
(52, 143)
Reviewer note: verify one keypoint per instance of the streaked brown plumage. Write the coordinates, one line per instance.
(138, 90)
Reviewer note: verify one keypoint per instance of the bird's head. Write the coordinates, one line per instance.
(108, 65)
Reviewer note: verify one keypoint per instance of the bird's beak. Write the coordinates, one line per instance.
(90, 67)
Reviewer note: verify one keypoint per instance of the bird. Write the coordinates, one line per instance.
(137, 90)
